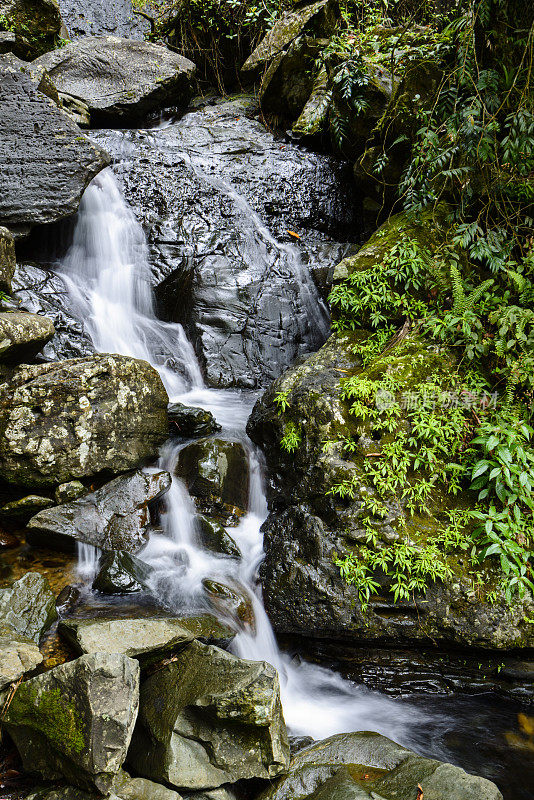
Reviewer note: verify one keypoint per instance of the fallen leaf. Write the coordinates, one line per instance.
(296, 235)
(419, 792)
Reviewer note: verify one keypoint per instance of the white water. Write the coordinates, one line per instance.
(107, 274)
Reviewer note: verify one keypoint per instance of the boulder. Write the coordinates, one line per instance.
(208, 718)
(76, 721)
(18, 655)
(230, 601)
(80, 418)
(123, 787)
(115, 17)
(67, 492)
(189, 421)
(38, 21)
(121, 573)
(22, 510)
(8, 260)
(47, 164)
(368, 766)
(12, 42)
(120, 80)
(216, 474)
(115, 517)
(213, 536)
(28, 606)
(23, 335)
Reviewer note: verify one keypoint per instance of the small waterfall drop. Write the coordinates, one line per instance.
(107, 274)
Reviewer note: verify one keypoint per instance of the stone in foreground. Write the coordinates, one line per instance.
(368, 766)
(76, 721)
(28, 606)
(120, 79)
(124, 788)
(209, 718)
(80, 418)
(121, 573)
(23, 335)
(18, 655)
(115, 517)
(46, 162)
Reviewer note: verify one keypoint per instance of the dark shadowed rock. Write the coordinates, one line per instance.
(124, 787)
(76, 720)
(20, 511)
(46, 162)
(213, 536)
(79, 418)
(28, 606)
(120, 79)
(115, 517)
(216, 473)
(209, 718)
(67, 492)
(7, 260)
(189, 421)
(36, 20)
(121, 573)
(231, 601)
(23, 335)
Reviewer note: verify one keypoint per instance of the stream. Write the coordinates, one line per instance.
(119, 306)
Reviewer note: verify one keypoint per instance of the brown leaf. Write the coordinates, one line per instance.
(419, 792)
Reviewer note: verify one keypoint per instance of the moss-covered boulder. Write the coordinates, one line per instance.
(8, 260)
(121, 573)
(76, 721)
(20, 511)
(38, 21)
(309, 529)
(23, 335)
(28, 606)
(213, 536)
(216, 473)
(80, 418)
(209, 718)
(190, 421)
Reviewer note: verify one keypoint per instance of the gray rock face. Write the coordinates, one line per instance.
(121, 573)
(367, 766)
(189, 421)
(18, 655)
(7, 259)
(102, 17)
(46, 162)
(38, 19)
(79, 418)
(123, 788)
(23, 335)
(215, 472)
(28, 606)
(120, 79)
(76, 720)
(115, 517)
(209, 718)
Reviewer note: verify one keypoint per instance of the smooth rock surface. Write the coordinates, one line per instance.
(46, 162)
(209, 718)
(213, 536)
(120, 79)
(76, 720)
(115, 517)
(121, 573)
(189, 421)
(79, 418)
(18, 655)
(215, 472)
(28, 606)
(20, 511)
(23, 335)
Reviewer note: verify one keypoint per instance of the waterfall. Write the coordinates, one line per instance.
(107, 274)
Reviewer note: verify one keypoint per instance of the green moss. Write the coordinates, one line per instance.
(49, 712)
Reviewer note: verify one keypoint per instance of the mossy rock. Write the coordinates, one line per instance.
(38, 21)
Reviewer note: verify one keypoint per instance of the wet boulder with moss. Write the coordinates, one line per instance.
(38, 21)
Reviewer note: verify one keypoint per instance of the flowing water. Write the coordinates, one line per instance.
(107, 273)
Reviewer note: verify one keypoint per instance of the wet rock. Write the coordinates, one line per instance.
(313, 118)
(22, 510)
(38, 20)
(79, 418)
(120, 79)
(289, 80)
(67, 599)
(215, 472)
(121, 573)
(362, 766)
(76, 721)
(123, 787)
(53, 164)
(189, 421)
(144, 639)
(18, 655)
(115, 517)
(218, 189)
(113, 17)
(214, 794)
(67, 492)
(7, 260)
(8, 539)
(23, 335)
(230, 601)
(208, 629)
(213, 536)
(76, 109)
(28, 606)
(209, 718)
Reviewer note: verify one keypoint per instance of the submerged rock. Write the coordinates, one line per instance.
(23, 335)
(213, 536)
(80, 418)
(18, 655)
(28, 606)
(46, 162)
(115, 517)
(38, 20)
(189, 421)
(121, 573)
(215, 472)
(120, 79)
(76, 721)
(209, 718)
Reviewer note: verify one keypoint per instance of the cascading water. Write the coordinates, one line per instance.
(107, 275)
